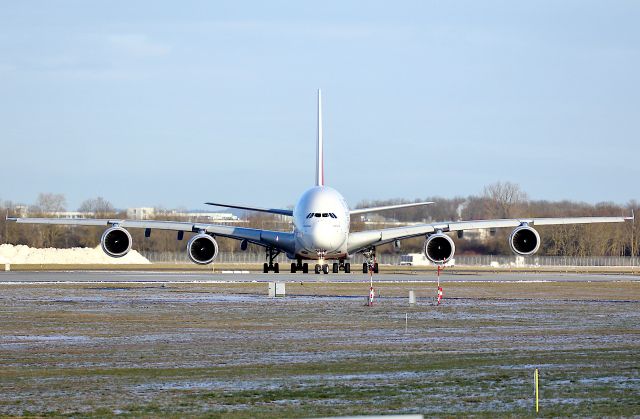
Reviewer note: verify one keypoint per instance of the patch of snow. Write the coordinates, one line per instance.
(21, 254)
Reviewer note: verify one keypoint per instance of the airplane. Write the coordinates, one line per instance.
(321, 230)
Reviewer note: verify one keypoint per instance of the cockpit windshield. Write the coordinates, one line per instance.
(321, 214)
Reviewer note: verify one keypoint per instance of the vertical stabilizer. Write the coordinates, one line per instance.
(319, 149)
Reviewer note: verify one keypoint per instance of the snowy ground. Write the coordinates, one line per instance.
(225, 349)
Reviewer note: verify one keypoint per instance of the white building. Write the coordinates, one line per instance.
(141, 213)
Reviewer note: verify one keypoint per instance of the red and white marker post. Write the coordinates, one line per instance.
(371, 292)
(440, 290)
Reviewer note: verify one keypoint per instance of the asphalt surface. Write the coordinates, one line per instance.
(72, 277)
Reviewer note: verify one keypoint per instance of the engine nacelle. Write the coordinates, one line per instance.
(116, 242)
(202, 249)
(524, 240)
(439, 248)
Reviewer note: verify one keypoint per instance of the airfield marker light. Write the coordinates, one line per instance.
(535, 379)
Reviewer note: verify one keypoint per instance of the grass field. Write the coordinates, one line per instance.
(228, 350)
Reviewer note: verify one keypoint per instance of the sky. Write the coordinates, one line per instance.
(173, 104)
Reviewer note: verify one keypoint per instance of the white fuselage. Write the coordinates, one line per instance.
(321, 224)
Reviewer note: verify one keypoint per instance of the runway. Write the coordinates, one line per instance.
(78, 277)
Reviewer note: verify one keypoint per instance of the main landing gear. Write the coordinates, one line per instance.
(370, 264)
(342, 266)
(299, 266)
(272, 254)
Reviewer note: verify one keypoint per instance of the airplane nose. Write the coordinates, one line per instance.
(322, 236)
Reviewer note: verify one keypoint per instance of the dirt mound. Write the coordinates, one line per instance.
(78, 255)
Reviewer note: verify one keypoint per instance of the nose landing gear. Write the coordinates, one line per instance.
(321, 266)
(335, 267)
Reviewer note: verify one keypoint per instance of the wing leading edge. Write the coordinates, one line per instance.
(278, 239)
(364, 239)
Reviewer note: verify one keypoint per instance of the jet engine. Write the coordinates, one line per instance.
(524, 240)
(202, 249)
(439, 248)
(116, 242)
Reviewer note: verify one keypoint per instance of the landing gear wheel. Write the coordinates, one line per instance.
(276, 268)
(365, 268)
(347, 268)
(305, 268)
(335, 268)
(375, 268)
(317, 269)
(265, 268)
(325, 269)
(293, 268)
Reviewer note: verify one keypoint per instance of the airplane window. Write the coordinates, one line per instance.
(317, 214)
(310, 215)
(325, 214)
(332, 215)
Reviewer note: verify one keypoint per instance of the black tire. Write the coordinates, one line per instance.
(293, 268)
(276, 268)
(325, 269)
(265, 268)
(316, 269)
(347, 268)
(336, 267)
(365, 268)
(305, 268)
(375, 268)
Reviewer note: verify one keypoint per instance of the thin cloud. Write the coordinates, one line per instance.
(98, 57)
(137, 45)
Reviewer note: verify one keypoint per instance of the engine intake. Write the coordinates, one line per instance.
(116, 242)
(524, 240)
(202, 249)
(439, 248)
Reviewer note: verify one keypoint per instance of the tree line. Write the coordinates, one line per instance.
(498, 200)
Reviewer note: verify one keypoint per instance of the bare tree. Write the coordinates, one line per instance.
(504, 200)
(99, 206)
(48, 203)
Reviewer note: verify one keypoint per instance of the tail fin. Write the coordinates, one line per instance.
(319, 149)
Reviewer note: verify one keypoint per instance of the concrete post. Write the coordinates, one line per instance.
(412, 297)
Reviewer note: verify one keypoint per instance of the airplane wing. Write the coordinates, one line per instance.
(259, 209)
(387, 207)
(363, 239)
(268, 238)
